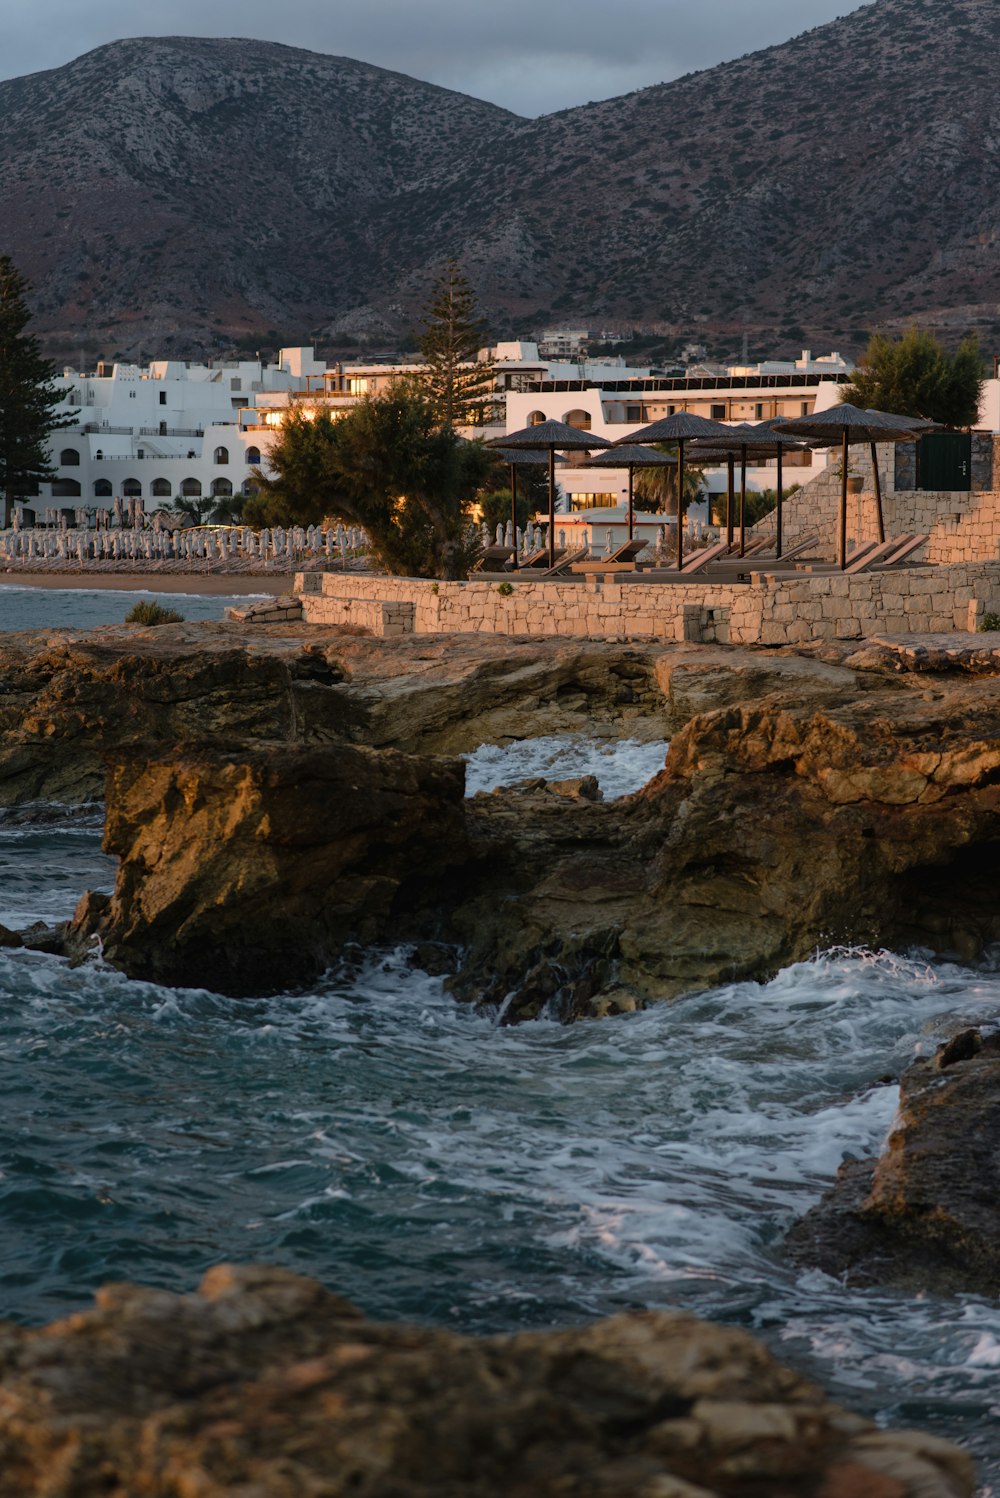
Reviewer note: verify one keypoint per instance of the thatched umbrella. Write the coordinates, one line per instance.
(679, 428)
(550, 436)
(515, 460)
(631, 456)
(764, 442)
(846, 423)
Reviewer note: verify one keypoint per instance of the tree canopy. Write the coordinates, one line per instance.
(916, 376)
(27, 396)
(655, 489)
(389, 465)
(460, 385)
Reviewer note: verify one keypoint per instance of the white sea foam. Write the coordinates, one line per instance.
(620, 765)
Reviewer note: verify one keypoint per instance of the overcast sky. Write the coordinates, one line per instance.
(532, 56)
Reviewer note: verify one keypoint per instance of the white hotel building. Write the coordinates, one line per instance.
(174, 431)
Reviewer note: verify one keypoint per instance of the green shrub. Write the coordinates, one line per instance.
(988, 623)
(505, 589)
(152, 613)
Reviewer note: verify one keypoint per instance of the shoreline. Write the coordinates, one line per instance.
(209, 583)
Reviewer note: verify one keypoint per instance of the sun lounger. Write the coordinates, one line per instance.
(494, 556)
(539, 558)
(570, 560)
(907, 546)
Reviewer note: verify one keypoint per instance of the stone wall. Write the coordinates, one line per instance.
(768, 610)
(963, 527)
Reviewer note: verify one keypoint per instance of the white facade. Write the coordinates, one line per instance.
(176, 431)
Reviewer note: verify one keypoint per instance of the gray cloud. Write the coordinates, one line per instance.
(532, 56)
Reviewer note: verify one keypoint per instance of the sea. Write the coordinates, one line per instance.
(437, 1167)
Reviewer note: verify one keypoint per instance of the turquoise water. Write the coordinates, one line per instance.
(83, 608)
(431, 1165)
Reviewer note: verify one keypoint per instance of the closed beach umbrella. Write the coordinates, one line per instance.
(846, 424)
(682, 427)
(632, 456)
(550, 437)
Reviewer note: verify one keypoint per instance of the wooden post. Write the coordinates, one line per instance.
(513, 511)
(552, 507)
(631, 470)
(680, 502)
(777, 548)
(743, 498)
(730, 498)
(842, 545)
(878, 495)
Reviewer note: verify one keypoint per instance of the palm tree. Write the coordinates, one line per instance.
(656, 488)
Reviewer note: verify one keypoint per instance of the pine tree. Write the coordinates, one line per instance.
(460, 386)
(27, 396)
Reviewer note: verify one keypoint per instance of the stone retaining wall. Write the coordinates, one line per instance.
(770, 611)
(963, 527)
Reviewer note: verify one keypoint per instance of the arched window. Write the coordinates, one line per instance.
(221, 489)
(536, 418)
(132, 489)
(248, 487)
(160, 489)
(221, 455)
(191, 488)
(579, 419)
(66, 489)
(69, 458)
(102, 489)
(253, 454)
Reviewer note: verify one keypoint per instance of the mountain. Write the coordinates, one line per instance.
(176, 192)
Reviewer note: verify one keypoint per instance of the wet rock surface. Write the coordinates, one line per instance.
(926, 1214)
(251, 870)
(807, 801)
(265, 1383)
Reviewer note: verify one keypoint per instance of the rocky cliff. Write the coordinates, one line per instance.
(175, 192)
(265, 1383)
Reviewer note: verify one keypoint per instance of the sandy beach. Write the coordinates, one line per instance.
(153, 582)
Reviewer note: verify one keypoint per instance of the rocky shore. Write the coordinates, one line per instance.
(278, 795)
(804, 802)
(264, 1383)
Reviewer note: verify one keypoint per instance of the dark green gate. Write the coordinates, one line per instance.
(944, 461)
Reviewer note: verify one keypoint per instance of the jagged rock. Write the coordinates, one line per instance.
(265, 1383)
(774, 829)
(68, 697)
(251, 870)
(926, 1214)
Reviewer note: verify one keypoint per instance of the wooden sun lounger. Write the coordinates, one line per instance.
(907, 546)
(539, 558)
(494, 556)
(571, 560)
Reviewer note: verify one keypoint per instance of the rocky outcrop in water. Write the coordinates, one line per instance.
(70, 697)
(250, 870)
(822, 801)
(926, 1214)
(265, 1383)
(775, 829)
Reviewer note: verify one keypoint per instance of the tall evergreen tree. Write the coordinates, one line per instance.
(27, 396)
(460, 386)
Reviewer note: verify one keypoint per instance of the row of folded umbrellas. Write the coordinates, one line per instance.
(842, 425)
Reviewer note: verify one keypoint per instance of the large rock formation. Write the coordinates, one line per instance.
(775, 829)
(263, 1383)
(250, 870)
(926, 1214)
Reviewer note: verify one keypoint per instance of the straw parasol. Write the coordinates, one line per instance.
(550, 436)
(631, 456)
(682, 427)
(849, 424)
(762, 440)
(519, 459)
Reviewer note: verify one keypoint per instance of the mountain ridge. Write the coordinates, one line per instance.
(847, 177)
